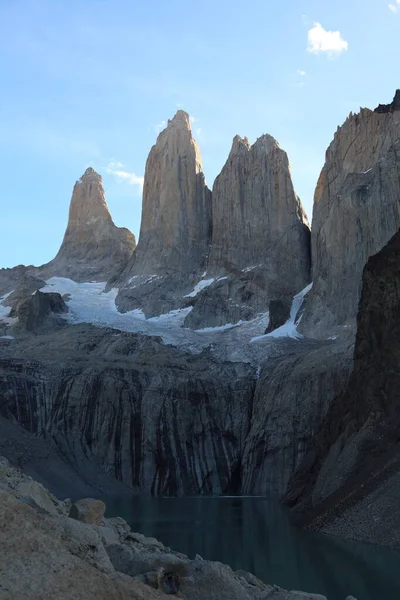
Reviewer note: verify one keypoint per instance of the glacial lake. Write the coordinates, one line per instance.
(256, 535)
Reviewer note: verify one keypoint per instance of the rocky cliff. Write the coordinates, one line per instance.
(175, 230)
(356, 211)
(226, 257)
(260, 249)
(151, 415)
(93, 247)
(257, 217)
(347, 482)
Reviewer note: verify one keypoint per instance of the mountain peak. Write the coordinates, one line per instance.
(394, 105)
(181, 119)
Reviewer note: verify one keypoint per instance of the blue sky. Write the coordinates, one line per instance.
(90, 82)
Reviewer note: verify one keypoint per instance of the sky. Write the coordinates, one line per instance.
(92, 82)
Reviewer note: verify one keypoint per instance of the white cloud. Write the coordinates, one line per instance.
(193, 119)
(393, 7)
(115, 168)
(301, 72)
(160, 126)
(321, 40)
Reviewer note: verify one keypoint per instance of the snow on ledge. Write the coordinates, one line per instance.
(203, 283)
(289, 329)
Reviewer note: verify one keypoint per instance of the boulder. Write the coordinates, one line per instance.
(88, 510)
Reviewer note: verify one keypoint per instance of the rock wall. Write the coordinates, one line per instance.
(257, 217)
(357, 451)
(93, 247)
(356, 211)
(150, 415)
(292, 397)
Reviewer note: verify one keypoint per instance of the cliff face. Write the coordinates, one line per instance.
(150, 415)
(356, 211)
(292, 397)
(93, 247)
(257, 217)
(175, 230)
(355, 459)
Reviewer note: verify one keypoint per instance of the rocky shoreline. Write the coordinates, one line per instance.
(65, 550)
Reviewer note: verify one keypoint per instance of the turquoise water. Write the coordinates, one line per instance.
(256, 535)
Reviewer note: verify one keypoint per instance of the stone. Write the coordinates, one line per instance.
(93, 247)
(346, 483)
(39, 310)
(88, 510)
(395, 105)
(279, 312)
(257, 216)
(260, 247)
(30, 489)
(175, 230)
(356, 211)
(292, 396)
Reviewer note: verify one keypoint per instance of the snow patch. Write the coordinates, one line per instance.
(247, 269)
(203, 283)
(365, 172)
(219, 327)
(7, 337)
(289, 329)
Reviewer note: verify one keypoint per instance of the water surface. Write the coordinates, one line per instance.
(256, 535)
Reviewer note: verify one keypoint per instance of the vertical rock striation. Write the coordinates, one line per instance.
(258, 219)
(93, 247)
(356, 211)
(175, 231)
(260, 236)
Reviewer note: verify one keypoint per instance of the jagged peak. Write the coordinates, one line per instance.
(394, 105)
(181, 119)
(266, 142)
(89, 175)
(239, 144)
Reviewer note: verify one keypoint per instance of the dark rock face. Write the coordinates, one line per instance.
(33, 312)
(150, 415)
(292, 397)
(279, 312)
(386, 108)
(357, 448)
(356, 212)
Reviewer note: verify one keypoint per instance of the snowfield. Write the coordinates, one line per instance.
(89, 303)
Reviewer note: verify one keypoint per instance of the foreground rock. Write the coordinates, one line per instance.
(356, 212)
(349, 481)
(44, 554)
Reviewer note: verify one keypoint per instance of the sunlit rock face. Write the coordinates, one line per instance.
(260, 236)
(175, 230)
(257, 216)
(356, 211)
(93, 247)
